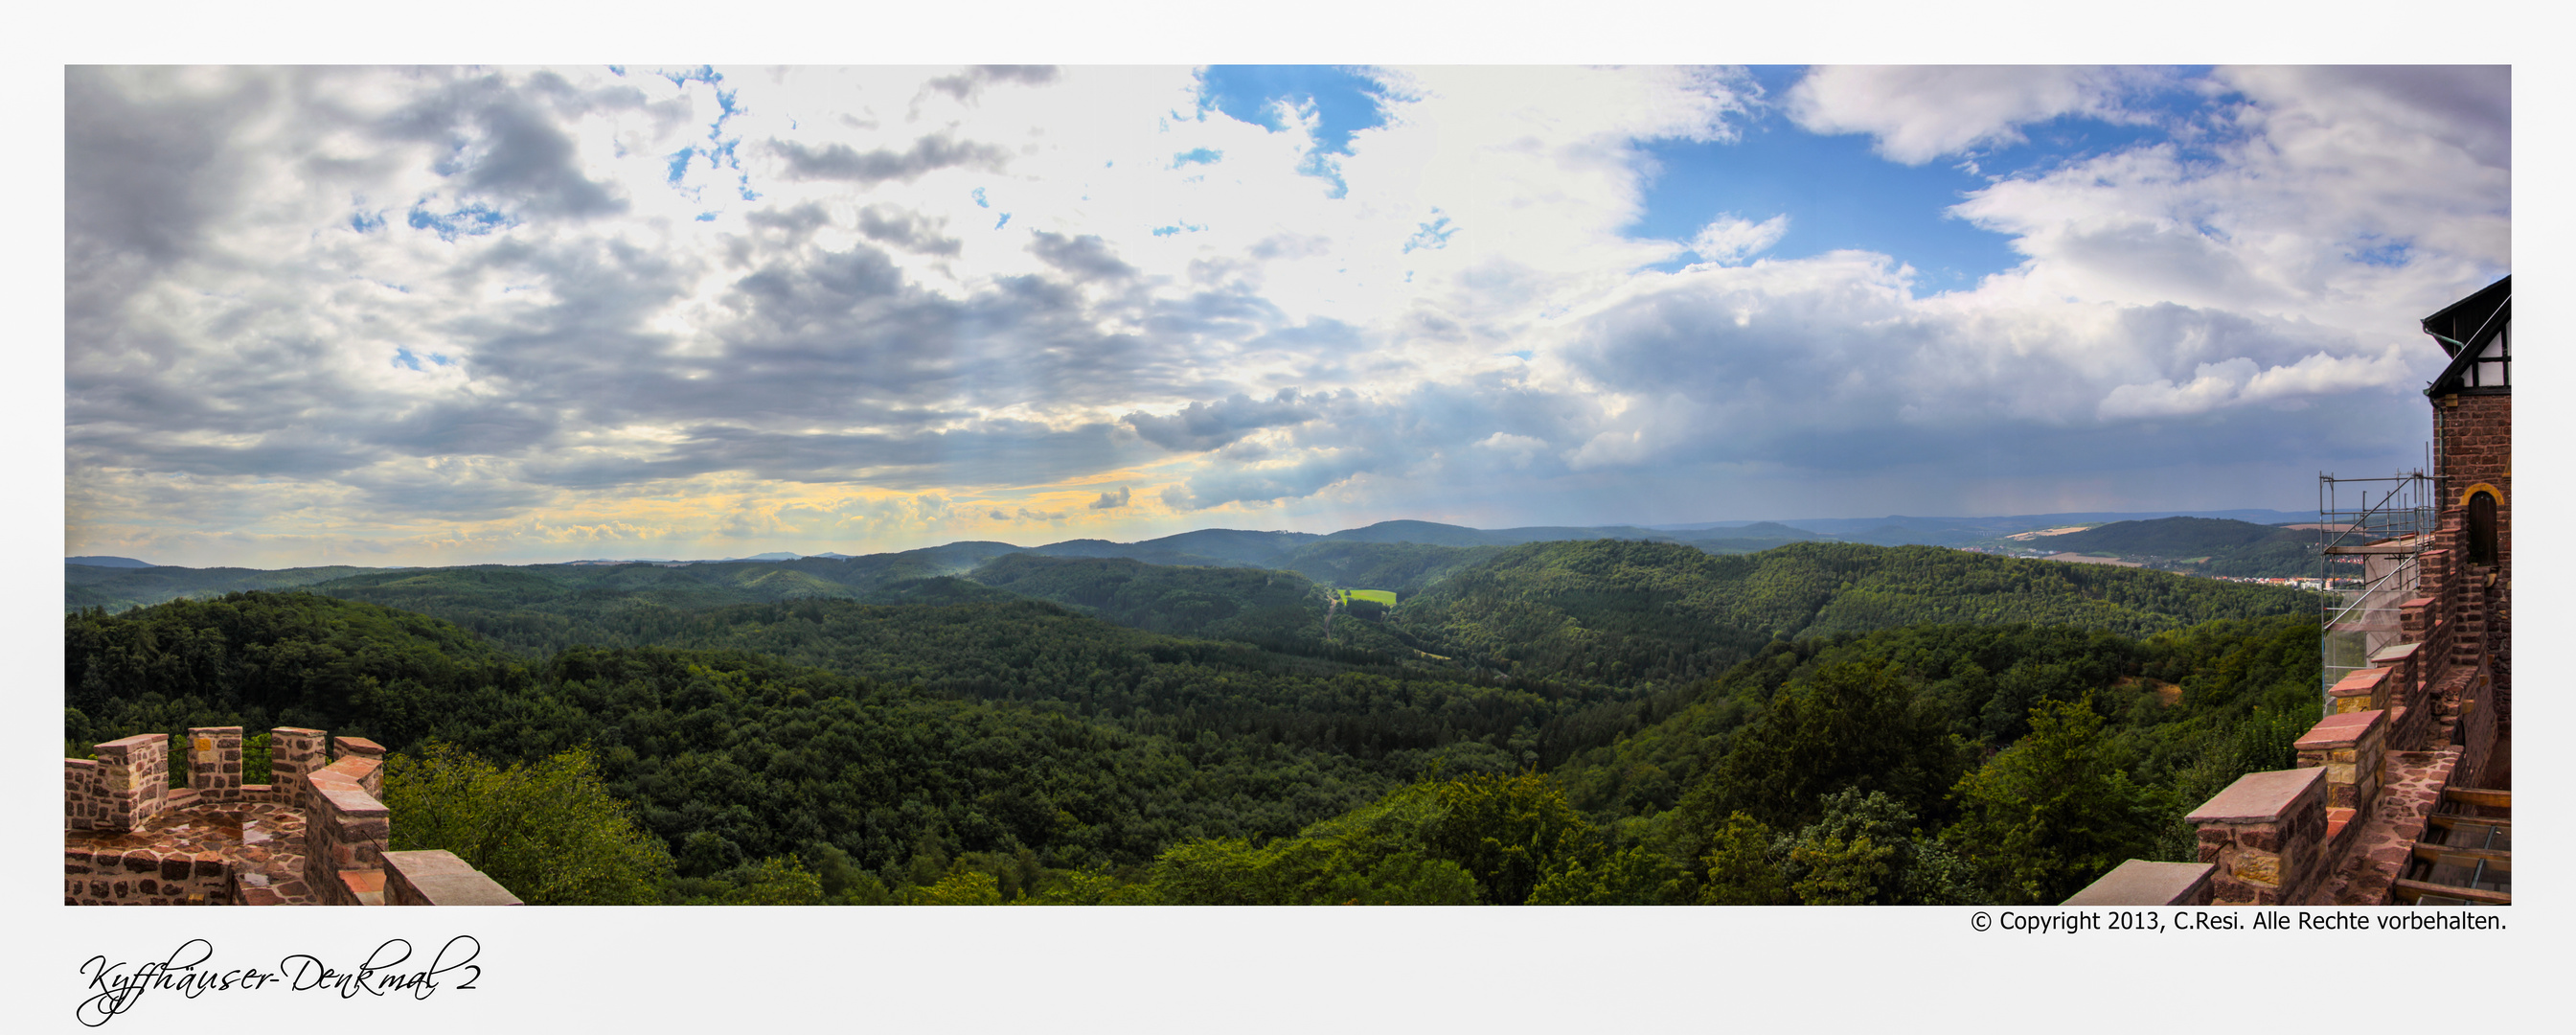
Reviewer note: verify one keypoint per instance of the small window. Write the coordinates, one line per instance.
(2482, 528)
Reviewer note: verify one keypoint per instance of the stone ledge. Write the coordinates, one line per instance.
(2258, 797)
(2138, 882)
(2389, 656)
(436, 877)
(2343, 729)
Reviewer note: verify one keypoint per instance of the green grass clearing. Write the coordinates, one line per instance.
(1382, 596)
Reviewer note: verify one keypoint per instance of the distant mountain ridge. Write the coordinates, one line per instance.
(1353, 556)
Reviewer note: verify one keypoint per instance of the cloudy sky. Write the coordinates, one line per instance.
(447, 316)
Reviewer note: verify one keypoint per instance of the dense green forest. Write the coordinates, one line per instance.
(1598, 721)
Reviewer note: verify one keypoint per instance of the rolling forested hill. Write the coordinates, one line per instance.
(120, 587)
(1051, 724)
(2205, 545)
(1628, 612)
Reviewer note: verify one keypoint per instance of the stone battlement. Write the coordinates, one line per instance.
(315, 834)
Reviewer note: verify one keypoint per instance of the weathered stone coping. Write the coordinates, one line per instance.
(2390, 656)
(2258, 797)
(2341, 730)
(2361, 690)
(436, 877)
(2138, 882)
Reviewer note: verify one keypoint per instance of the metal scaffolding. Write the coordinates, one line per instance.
(2371, 530)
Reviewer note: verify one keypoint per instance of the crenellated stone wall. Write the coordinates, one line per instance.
(317, 833)
(293, 754)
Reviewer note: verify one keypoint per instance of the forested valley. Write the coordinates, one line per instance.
(1598, 721)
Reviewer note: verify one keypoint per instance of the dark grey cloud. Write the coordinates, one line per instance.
(1204, 426)
(1085, 257)
(999, 452)
(843, 162)
(965, 85)
(428, 494)
(793, 297)
(299, 451)
(1111, 500)
(469, 427)
(147, 174)
(503, 146)
(791, 227)
(905, 230)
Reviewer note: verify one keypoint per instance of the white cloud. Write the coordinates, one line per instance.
(1919, 113)
(1728, 239)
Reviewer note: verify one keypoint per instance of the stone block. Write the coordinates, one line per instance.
(2260, 797)
(439, 878)
(2139, 882)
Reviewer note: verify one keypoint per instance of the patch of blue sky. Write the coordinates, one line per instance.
(702, 74)
(1433, 235)
(706, 217)
(1342, 103)
(366, 222)
(1002, 222)
(1167, 231)
(978, 194)
(1838, 193)
(404, 358)
(680, 163)
(1196, 156)
(468, 221)
(2386, 253)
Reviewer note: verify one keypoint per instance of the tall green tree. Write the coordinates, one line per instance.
(2054, 811)
(1852, 724)
(548, 830)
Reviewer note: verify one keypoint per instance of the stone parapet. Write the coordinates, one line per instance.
(439, 878)
(112, 876)
(293, 754)
(2138, 882)
(2348, 746)
(2266, 834)
(84, 794)
(2361, 690)
(2403, 685)
(215, 762)
(134, 780)
(346, 828)
(318, 835)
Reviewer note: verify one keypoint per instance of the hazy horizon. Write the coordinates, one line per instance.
(1038, 544)
(432, 317)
